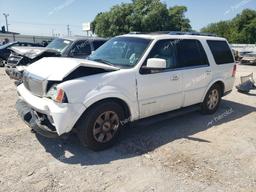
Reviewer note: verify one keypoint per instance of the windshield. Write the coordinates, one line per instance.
(121, 51)
(59, 44)
(6, 45)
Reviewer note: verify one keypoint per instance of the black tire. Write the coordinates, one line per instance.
(206, 107)
(2, 62)
(86, 126)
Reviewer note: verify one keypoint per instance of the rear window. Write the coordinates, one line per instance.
(221, 52)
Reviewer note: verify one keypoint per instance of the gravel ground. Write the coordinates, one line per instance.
(186, 153)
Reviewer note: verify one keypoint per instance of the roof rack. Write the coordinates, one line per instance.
(176, 33)
(192, 33)
(151, 33)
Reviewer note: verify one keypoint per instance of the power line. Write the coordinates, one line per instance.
(46, 24)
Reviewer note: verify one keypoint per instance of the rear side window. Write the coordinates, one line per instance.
(190, 53)
(221, 52)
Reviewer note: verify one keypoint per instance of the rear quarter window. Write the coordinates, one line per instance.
(221, 52)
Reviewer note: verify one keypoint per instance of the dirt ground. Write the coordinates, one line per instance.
(192, 152)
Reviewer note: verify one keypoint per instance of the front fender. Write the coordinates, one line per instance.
(132, 105)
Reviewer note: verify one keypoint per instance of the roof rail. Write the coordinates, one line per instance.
(176, 33)
(192, 33)
(135, 32)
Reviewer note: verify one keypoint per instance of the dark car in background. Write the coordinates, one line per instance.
(5, 50)
(76, 47)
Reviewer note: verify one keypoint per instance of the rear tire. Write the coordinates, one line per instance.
(212, 100)
(100, 126)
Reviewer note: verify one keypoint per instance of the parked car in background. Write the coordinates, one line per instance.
(76, 47)
(5, 50)
(130, 77)
(249, 59)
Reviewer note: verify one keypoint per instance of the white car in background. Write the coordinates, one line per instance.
(249, 59)
(130, 77)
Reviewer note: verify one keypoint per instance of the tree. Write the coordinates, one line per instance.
(140, 15)
(241, 29)
(221, 28)
(178, 19)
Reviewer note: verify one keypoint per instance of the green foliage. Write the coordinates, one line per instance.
(241, 29)
(141, 15)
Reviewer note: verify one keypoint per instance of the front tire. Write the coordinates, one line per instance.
(99, 127)
(2, 62)
(212, 100)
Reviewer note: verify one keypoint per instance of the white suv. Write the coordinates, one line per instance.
(130, 77)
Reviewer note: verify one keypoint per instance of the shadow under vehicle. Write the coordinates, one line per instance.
(146, 135)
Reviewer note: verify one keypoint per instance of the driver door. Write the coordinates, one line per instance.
(160, 91)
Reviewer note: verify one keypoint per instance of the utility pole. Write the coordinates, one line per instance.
(68, 29)
(6, 15)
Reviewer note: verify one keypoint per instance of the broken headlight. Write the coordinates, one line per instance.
(57, 94)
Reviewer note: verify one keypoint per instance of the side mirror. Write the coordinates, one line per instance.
(156, 63)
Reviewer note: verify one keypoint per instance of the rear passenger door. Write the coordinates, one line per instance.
(196, 71)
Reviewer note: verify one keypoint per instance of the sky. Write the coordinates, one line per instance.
(47, 17)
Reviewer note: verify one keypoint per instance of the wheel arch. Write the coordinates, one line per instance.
(219, 82)
(121, 102)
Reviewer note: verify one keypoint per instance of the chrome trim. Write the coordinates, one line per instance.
(33, 84)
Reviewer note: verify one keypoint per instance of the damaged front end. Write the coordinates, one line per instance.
(40, 123)
(23, 56)
(43, 103)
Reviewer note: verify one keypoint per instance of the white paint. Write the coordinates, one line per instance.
(146, 95)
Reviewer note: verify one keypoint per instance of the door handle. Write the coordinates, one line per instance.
(175, 78)
(208, 72)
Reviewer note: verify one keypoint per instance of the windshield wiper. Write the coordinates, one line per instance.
(103, 61)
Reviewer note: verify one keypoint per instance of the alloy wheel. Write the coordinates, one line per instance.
(105, 126)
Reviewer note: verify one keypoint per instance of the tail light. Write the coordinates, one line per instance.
(234, 71)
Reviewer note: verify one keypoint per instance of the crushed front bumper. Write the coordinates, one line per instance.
(14, 73)
(40, 123)
(46, 114)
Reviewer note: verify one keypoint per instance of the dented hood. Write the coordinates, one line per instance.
(57, 68)
(31, 52)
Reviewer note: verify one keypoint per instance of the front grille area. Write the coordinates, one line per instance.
(34, 85)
